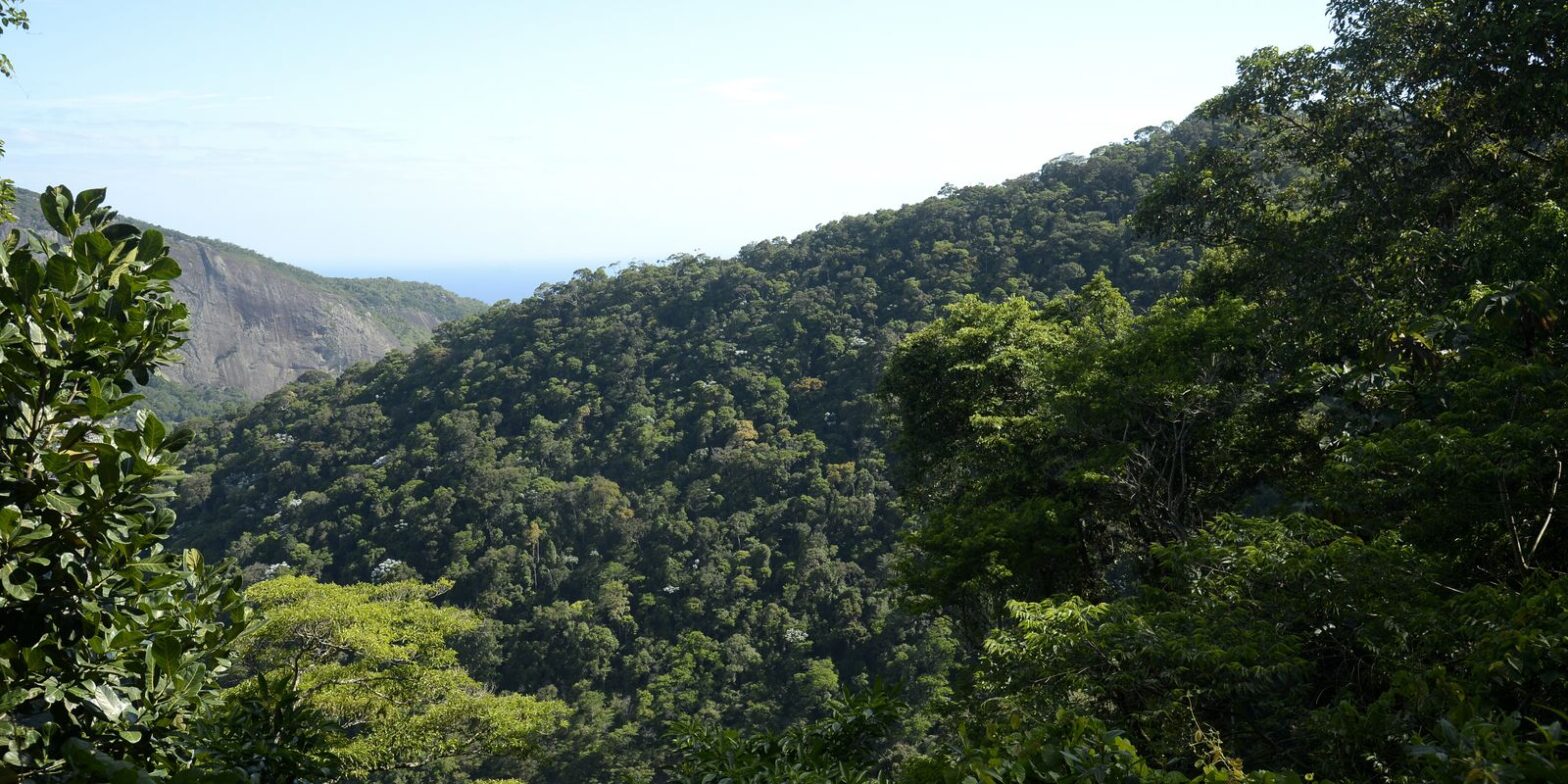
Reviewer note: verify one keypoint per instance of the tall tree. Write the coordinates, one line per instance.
(375, 663)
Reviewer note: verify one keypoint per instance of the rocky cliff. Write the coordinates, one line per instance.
(257, 324)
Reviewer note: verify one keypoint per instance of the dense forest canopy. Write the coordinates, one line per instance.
(668, 488)
(1229, 453)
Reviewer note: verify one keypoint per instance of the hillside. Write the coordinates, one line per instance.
(668, 487)
(257, 324)
(1229, 453)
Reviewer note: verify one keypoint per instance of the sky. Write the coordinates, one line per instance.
(493, 145)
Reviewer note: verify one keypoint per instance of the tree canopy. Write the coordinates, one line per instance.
(1229, 453)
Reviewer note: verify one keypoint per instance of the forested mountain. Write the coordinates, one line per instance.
(668, 487)
(1229, 454)
(257, 324)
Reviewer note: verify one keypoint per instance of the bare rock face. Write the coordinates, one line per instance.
(255, 330)
(257, 324)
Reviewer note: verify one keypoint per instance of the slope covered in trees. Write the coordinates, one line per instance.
(1053, 502)
(669, 487)
(1297, 521)
(123, 661)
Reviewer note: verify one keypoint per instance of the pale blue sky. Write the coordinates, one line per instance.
(449, 141)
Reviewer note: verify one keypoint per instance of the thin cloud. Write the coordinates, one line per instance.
(121, 100)
(750, 92)
(785, 141)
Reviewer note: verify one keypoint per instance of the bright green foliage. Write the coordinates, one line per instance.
(376, 663)
(108, 642)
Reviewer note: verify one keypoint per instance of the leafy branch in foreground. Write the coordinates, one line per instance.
(108, 642)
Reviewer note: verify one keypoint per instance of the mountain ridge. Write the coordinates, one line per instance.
(258, 323)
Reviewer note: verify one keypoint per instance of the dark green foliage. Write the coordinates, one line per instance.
(1069, 748)
(108, 641)
(271, 734)
(1099, 433)
(1313, 492)
(839, 748)
(1297, 646)
(183, 403)
(668, 487)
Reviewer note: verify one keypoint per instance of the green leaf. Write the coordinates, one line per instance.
(166, 652)
(151, 246)
(55, 202)
(62, 272)
(60, 503)
(153, 430)
(164, 268)
(89, 200)
(41, 531)
(109, 702)
(17, 583)
(92, 249)
(180, 439)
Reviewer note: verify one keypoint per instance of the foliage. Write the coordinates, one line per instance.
(1415, 275)
(1493, 749)
(185, 404)
(373, 666)
(1070, 748)
(11, 15)
(1287, 510)
(270, 734)
(667, 487)
(108, 642)
(1312, 492)
(838, 748)
(1302, 647)
(1100, 433)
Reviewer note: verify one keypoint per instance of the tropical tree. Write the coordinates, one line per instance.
(109, 643)
(376, 664)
